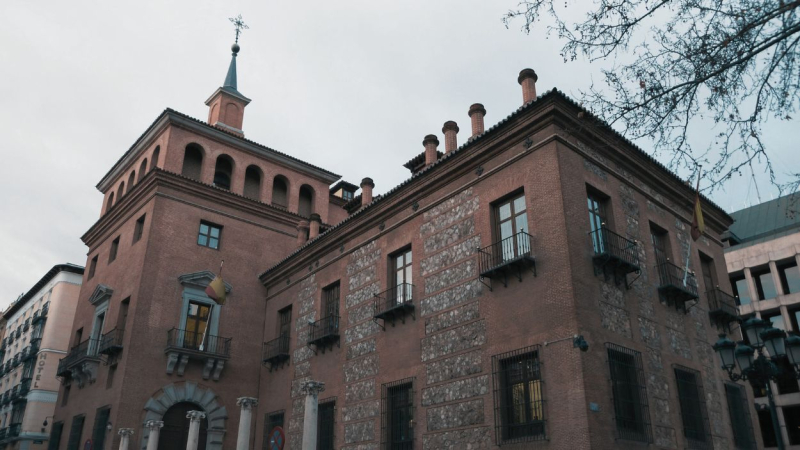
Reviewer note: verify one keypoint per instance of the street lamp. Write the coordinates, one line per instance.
(755, 364)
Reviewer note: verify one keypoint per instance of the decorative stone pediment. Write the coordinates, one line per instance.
(200, 280)
(101, 293)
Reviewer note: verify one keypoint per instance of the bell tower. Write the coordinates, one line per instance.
(226, 105)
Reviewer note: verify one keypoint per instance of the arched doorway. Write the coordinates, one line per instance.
(175, 432)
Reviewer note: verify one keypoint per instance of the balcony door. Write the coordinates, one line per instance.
(597, 220)
(196, 325)
(512, 219)
(402, 276)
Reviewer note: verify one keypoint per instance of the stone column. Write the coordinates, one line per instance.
(125, 437)
(312, 390)
(245, 418)
(154, 427)
(194, 428)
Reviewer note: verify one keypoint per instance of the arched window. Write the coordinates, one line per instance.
(131, 181)
(280, 191)
(142, 170)
(192, 161)
(252, 182)
(110, 201)
(175, 432)
(121, 190)
(306, 205)
(223, 172)
(154, 159)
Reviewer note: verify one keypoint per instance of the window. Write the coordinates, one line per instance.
(740, 289)
(330, 300)
(775, 319)
(693, 407)
(196, 324)
(92, 267)
(55, 436)
(223, 172)
(765, 286)
(739, 412)
(154, 159)
(99, 430)
(518, 402)
(192, 162)
(767, 430)
(511, 219)
(400, 269)
(708, 272)
(252, 182)
(397, 416)
(74, 442)
(112, 254)
(138, 229)
(209, 235)
(122, 316)
(325, 424)
(791, 415)
(112, 370)
(280, 191)
(285, 321)
(305, 205)
(271, 420)
(785, 380)
(347, 195)
(598, 219)
(790, 277)
(630, 394)
(660, 240)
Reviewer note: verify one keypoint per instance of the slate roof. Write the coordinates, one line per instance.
(766, 221)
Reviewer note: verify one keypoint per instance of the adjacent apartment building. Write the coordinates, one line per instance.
(762, 261)
(36, 328)
(533, 286)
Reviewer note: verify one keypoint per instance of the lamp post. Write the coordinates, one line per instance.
(760, 369)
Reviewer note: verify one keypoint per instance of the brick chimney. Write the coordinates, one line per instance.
(302, 232)
(314, 225)
(450, 129)
(527, 79)
(430, 142)
(476, 113)
(366, 191)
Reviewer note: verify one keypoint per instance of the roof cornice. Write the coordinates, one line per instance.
(55, 270)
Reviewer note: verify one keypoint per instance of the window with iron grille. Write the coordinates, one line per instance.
(693, 408)
(739, 412)
(326, 423)
(518, 400)
(99, 430)
(631, 411)
(55, 436)
(271, 420)
(397, 415)
(74, 442)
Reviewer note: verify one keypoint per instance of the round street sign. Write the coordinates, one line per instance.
(276, 439)
(87, 445)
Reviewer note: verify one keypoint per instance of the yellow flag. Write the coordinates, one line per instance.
(216, 290)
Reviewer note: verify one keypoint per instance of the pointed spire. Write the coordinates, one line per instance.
(230, 79)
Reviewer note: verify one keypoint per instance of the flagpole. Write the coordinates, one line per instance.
(210, 311)
(689, 249)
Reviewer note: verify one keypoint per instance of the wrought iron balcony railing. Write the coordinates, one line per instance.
(37, 315)
(276, 351)
(323, 332)
(721, 307)
(199, 342)
(14, 429)
(676, 285)
(45, 309)
(514, 252)
(62, 370)
(394, 303)
(24, 387)
(86, 350)
(3, 433)
(614, 254)
(111, 342)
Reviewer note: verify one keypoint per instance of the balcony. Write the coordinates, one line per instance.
(37, 317)
(614, 256)
(45, 309)
(111, 342)
(13, 430)
(512, 254)
(276, 352)
(36, 344)
(324, 332)
(23, 389)
(394, 303)
(184, 345)
(27, 325)
(721, 308)
(676, 285)
(16, 360)
(3, 433)
(5, 398)
(29, 352)
(81, 363)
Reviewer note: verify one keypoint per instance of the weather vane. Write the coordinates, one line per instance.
(239, 24)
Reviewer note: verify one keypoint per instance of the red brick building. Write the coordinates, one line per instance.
(525, 289)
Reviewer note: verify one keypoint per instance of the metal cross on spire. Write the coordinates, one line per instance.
(239, 24)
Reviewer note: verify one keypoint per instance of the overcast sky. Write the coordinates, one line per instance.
(352, 86)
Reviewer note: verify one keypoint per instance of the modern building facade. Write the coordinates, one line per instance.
(762, 260)
(534, 286)
(37, 328)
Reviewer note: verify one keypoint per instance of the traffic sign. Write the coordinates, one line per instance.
(277, 439)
